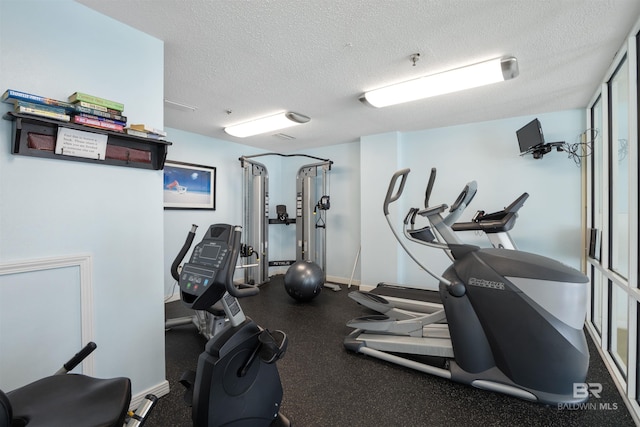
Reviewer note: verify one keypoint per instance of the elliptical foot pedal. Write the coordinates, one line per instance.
(425, 234)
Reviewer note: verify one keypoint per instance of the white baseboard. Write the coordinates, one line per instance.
(343, 281)
(330, 279)
(159, 390)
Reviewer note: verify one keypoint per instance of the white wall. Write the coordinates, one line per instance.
(487, 152)
(379, 250)
(343, 233)
(223, 155)
(549, 222)
(343, 218)
(51, 208)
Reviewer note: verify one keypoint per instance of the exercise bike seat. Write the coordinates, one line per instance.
(67, 400)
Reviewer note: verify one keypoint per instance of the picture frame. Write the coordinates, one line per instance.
(189, 186)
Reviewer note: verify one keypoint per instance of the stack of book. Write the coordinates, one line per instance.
(36, 105)
(81, 108)
(90, 110)
(145, 131)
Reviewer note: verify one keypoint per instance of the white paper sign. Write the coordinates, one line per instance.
(78, 143)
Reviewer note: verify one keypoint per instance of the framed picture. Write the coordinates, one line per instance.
(189, 186)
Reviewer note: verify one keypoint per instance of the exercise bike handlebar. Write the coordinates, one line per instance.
(77, 358)
(391, 197)
(235, 251)
(183, 251)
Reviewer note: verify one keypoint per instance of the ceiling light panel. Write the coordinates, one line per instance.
(480, 74)
(266, 124)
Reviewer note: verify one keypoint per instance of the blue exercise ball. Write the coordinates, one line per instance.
(304, 280)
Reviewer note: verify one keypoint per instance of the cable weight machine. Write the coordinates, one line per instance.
(255, 207)
(310, 215)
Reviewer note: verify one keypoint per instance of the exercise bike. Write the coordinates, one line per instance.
(236, 382)
(62, 400)
(511, 322)
(210, 321)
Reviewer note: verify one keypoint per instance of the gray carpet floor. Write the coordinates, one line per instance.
(325, 385)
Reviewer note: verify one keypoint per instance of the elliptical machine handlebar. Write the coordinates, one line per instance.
(464, 199)
(517, 203)
(495, 222)
(390, 197)
(427, 194)
(410, 217)
(513, 208)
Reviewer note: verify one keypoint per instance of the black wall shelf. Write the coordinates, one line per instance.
(36, 136)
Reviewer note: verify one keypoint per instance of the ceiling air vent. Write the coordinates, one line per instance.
(179, 106)
(284, 136)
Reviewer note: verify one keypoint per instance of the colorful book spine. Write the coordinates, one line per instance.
(42, 113)
(79, 96)
(90, 105)
(13, 95)
(96, 123)
(102, 119)
(100, 113)
(44, 107)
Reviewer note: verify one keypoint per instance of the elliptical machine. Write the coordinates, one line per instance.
(495, 226)
(511, 321)
(236, 382)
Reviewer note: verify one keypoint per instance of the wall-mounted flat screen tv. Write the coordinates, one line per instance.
(530, 135)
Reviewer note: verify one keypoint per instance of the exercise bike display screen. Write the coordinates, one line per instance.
(202, 278)
(210, 252)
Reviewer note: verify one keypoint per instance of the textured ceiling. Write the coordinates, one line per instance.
(237, 60)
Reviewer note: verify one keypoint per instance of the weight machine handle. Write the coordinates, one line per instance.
(391, 197)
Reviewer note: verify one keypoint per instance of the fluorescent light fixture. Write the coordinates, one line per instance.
(483, 73)
(266, 124)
